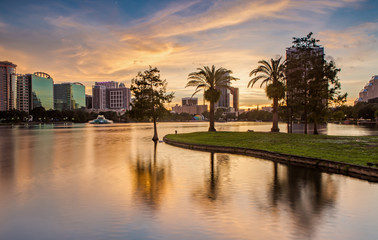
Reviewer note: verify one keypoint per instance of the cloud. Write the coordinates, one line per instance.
(176, 39)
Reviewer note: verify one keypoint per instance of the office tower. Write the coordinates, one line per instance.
(189, 101)
(235, 98)
(69, 96)
(99, 97)
(110, 84)
(42, 91)
(23, 92)
(8, 93)
(118, 98)
(224, 100)
(88, 101)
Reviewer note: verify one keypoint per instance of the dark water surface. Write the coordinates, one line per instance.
(110, 182)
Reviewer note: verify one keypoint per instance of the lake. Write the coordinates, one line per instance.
(111, 182)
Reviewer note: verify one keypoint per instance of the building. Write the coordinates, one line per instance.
(118, 98)
(235, 98)
(23, 92)
(370, 91)
(99, 97)
(42, 91)
(88, 101)
(191, 109)
(110, 96)
(8, 89)
(224, 100)
(189, 101)
(110, 84)
(69, 96)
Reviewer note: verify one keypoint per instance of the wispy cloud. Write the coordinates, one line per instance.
(177, 39)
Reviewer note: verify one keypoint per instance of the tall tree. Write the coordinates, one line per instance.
(149, 96)
(324, 90)
(272, 75)
(304, 59)
(211, 80)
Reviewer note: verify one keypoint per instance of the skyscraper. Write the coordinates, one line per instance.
(23, 92)
(42, 91)
(109, 84)
(99, 97)
(69, 96)
(8, 93)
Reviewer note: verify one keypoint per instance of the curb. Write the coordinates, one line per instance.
(352, 170)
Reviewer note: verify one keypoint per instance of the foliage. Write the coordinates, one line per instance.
(211, 80)
(312, 82)
(149, 95)
(354, 150)
(271, 74)
(13, 116)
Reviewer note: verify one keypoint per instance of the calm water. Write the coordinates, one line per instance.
(110, 182)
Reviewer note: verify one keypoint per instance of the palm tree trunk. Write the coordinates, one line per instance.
(211, 128)
(275, 116)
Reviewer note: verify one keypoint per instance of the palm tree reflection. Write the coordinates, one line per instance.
(215, 180)
(150, 180)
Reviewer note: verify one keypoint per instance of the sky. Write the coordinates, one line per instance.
(90, 41)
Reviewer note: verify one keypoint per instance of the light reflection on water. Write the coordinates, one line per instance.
(111, 182)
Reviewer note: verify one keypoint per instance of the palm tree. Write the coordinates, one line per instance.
(273, 76)
(211, 80)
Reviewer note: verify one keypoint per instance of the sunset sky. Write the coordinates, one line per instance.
(89, 41)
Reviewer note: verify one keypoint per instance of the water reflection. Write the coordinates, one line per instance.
(112, 182)
(150, 179)
(306, 193)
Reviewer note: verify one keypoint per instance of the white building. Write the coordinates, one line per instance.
(370, 91)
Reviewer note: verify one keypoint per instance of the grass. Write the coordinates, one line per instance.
(355, 150)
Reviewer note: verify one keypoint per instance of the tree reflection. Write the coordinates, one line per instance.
(150, 180)
(307, 192)
(215, 180)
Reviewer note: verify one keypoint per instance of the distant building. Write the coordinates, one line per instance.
(99, 97)
(8, 89)
(23, 92)
(88, 101)
(235, 98)
(224, 100)
(42, 91)
(110, 84)
(191, 109)
(189, 101)
(118, 98)
(370, 91)
(69, 96)
(108, 95)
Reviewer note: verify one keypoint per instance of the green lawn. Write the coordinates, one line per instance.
(354, 150)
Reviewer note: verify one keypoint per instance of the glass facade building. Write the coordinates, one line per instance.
(69, 96)
(42, 91)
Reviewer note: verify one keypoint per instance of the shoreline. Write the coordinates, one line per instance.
(353, 170)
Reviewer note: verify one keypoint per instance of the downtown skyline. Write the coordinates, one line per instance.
(94, 41)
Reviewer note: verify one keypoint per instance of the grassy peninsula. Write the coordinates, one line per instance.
(359, 150)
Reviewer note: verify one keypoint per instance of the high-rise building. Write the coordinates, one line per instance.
(23, 92)
(108, 95)
(370, 91)
(8, 89)
(99, 97)
(88, 101)
(188, 101)
(235, 98)
(69, 96)
(42, 91)
(118, 98)
(110, 84)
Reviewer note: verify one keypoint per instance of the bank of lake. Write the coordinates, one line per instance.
(358, 150)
